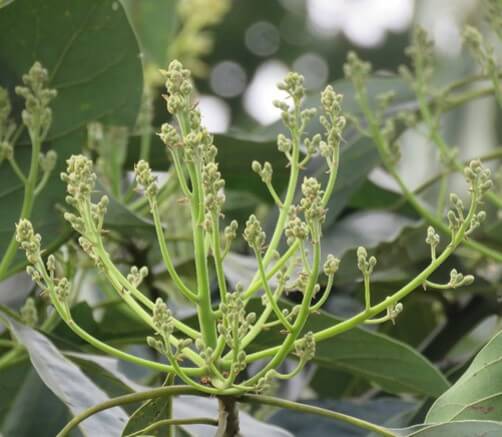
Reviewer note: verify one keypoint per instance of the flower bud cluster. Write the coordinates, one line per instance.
(235, 323)
(254, 234)
(457, 279)
(169, 136)
(7, 126)
(394, 310)
(37, 115)
(193, 40)
(179, 86)
(28, 240)
(137, 275)
(357, 70)
(421, 53)
(311, 202)
(230, 232)
(48, 161)
(264, 171)
(89, 250)
(296, 228)
(333, 122)
(292, 117)
(331, 265)
(213, 184)
(364, 264)
(162, 319)
(493, 13)
(480, 50)
(146, 179)
(80, 179)
(305, 348)
(6, 151)
(432, 240)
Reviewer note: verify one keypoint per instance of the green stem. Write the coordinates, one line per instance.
(218, 259)
(125, 400)
(270, 296)
(28, 200)
(282, 351)
(382, 147)
(166, 257)
(17, 170)
(171, 423)
(382, 306)
(311, 409)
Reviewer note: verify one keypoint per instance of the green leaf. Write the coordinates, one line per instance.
(155, 23)
(93, 61)
(463, 428)
(27, 406)
(392, 365)
(478, 393)
(151, 411)
(67, 381)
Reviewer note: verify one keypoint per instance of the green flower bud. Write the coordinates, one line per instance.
(80, 178)
(253, 233)
(331, 265)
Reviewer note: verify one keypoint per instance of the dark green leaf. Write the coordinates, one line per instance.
(93, 60)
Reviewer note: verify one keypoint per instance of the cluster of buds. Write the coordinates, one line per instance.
(311, 202)
(357, 70)
(80, 179)
(305, 348)
(493, 13)
(234, 323)
(333, 121)
(48, 161)
(146, 179)
(264, 171)
(331, 265)
(421, 53)
(169, 136)
(179, 86)
(459, 280)
(364, 264)
(213, 184)
(28, 240)
(479, 182)
(137, 275)
(480, 50)
(432, 239)
(230, 233)
(294, 118)
(296, 228)
(7, 126)
(193, 40)
(37, 115)
(30, 243)
(254, 234)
